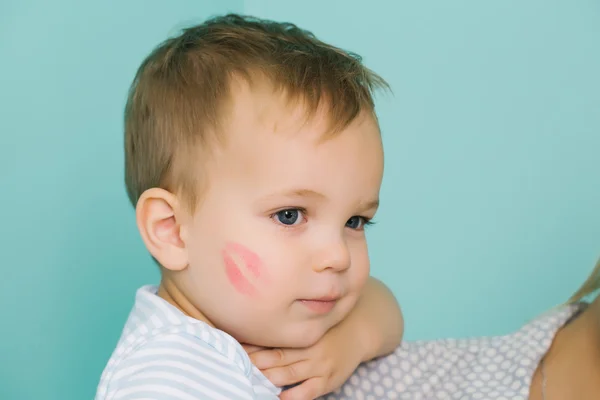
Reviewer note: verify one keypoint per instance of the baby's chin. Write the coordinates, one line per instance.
(300, 335)
(304, 333)
(307, 333)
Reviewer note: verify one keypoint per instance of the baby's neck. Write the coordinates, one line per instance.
(169, 292)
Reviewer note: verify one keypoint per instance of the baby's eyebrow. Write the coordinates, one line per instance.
(309, 193)
(300, 193)
(371, 204)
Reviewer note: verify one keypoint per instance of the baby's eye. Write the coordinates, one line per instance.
(357, 223)
(292, 216)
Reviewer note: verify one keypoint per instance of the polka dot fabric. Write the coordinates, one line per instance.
(467, 369)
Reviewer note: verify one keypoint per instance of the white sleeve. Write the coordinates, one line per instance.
(179, 367)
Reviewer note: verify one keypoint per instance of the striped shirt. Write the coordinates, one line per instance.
(165, 355)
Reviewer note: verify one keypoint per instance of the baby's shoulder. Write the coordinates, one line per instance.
(162, 346)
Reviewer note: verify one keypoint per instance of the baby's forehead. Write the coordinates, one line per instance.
(261, 104)
(293, 154)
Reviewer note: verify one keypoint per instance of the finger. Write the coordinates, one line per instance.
(290, 374)
(271, 358)
(310, 389)
(250, 348)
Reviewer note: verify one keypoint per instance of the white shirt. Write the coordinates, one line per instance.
(165, 355)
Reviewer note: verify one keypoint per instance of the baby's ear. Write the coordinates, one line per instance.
(156, 213)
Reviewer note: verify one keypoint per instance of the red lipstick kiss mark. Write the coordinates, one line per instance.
(236, 276)
(250, 258)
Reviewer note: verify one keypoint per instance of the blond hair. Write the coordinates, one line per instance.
(178, 97)
(589, 287)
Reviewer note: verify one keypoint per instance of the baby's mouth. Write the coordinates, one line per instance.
(321, 305)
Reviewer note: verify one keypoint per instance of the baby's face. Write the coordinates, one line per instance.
(277, 248)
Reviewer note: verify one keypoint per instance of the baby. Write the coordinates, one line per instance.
(254, 160)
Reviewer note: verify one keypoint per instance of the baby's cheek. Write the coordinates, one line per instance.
(360, 275)
(237, 278)
(348, 304)
(246, 270)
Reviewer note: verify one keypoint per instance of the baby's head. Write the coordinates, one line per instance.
(254, 159)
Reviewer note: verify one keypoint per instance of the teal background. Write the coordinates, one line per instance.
(491, 199)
